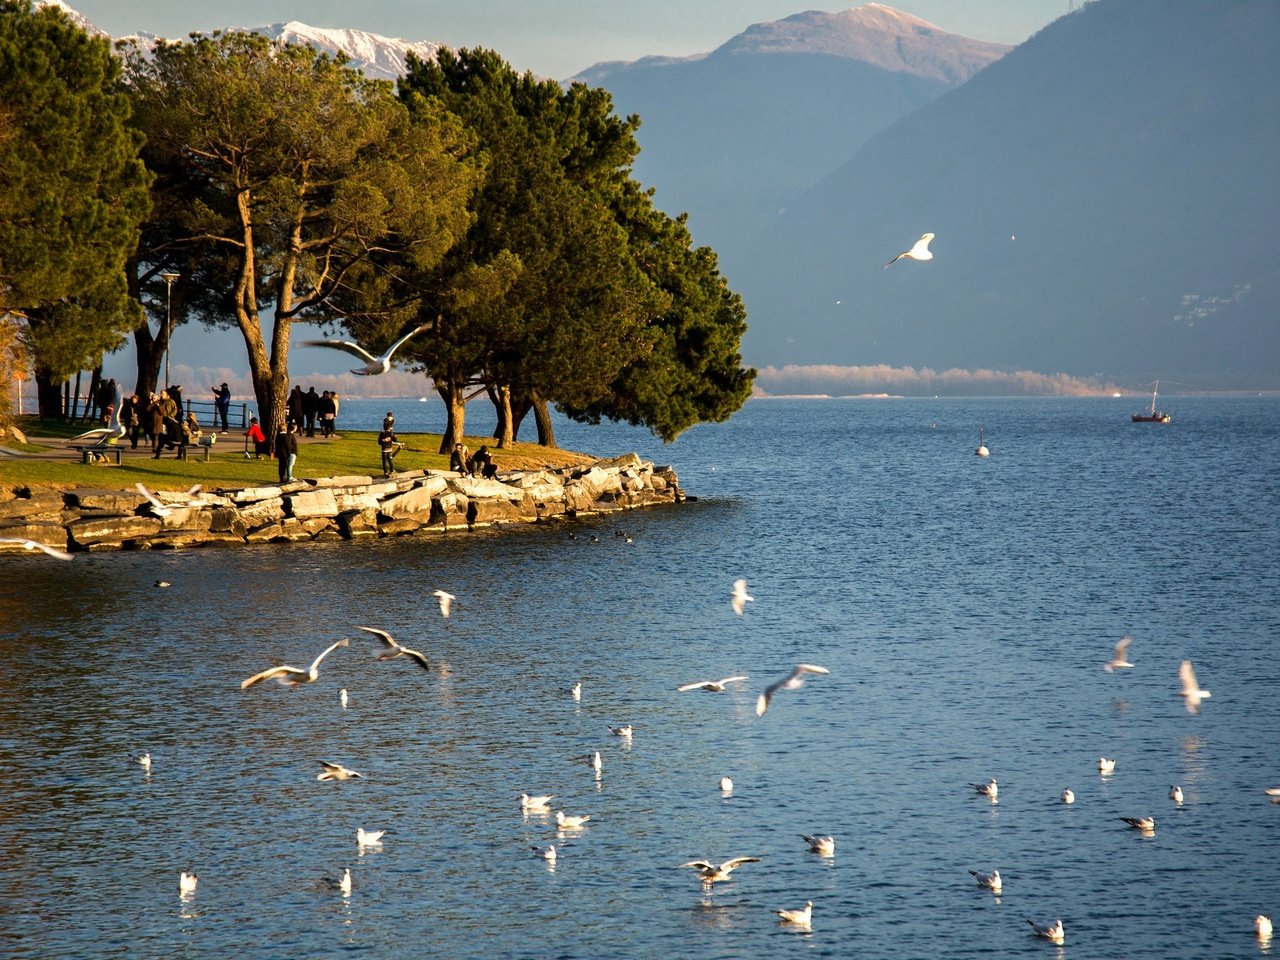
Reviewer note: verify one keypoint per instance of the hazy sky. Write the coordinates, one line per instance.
(554, 38)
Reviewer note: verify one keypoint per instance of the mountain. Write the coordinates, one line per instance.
(1104, 199)
(733, 135)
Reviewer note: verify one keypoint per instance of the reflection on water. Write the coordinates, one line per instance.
(950, 654)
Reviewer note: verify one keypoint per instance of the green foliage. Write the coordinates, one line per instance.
(72, 187)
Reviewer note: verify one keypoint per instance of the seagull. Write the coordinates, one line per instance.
(1262, 924)
(1106, 766)
(342, 695)
(187, 883)
(802, 918)
(576, 690)
(739, 597)
(396, 649)
(711, 686)
(113, 431)
(163, 584)
(1117, 661)
(162, 509)
(336, 771)
(1272, 792)
(989, 789)
(623, 732)
(1191, 691)
(570, 823)
(1146, 824)
(343, 885)
(292, 676)
(144, 761)
(1068, 796)
(1050, 931)
(726, 785)
(1175, 793)
(547, 853)
(594, 762)
(823, 845)
(374, 365)
(793, 682)
(369, 838)
(37, 545)
(712, 873)
(537, 804)
(990, 880)
(920, 251)
(446, 601)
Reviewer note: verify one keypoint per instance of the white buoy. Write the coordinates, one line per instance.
(982, 450)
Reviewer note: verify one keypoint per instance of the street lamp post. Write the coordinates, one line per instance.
(168, 277)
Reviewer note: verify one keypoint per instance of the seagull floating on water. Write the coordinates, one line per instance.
(342, 696)
(1118, 661)
(919, 251)
(1262, 926)
(1106, 766)
(369, 838)
(989, 789)
(570, 823)
(397, 650)
(1191, 691)
(292, 676)
(576, 690)
(802, 918)
(726, 785)
(37, 545)
(594, 762)
(1068, 796)
(343, 884)
(187, 883)
(990, 880)
(373, 365)
(1145, 824)
(446, 601)
(1175, 793)
(823, 845)
(711, 686)
(144, 761)
(740, 597)
(623, 732)
(1050, 931)
(794, 682)
(713, 873)
(539, 804)
(336, 771)
(1272, 792)
(547, 853)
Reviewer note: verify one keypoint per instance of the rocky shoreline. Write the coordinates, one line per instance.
(332, 508)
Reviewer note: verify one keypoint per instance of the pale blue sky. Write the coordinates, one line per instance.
(554, 38)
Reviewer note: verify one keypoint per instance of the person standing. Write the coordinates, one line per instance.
(287, 451)
(222, 405)
(328, 411)
(389, 446)
(295, 405)
(175, 394)
(310, 407)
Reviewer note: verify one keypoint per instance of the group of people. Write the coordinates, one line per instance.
(461, 460)
(160, 419)
(305, 409)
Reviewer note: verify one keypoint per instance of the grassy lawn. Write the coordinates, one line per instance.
(351, 453)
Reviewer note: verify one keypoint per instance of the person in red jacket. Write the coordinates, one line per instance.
(259, 438)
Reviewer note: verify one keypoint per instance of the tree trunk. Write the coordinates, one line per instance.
(48, 396)
(74, 407)
(91, 398)
(503, 433)
(542, 417)
(149, 352)
(520, 405)
(452, 393)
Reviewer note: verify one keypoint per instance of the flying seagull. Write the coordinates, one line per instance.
(1050, 931)
(713, 873)
(739, 597)
(990, 880)
(918, 252)
(1118, 661)
(113, 431)
(711, 686)
(397, 650)
(793, 682)
(446, 601)
(37, 545)
(336, 771)
(292, 676)
(1191, 691)
(802, 918)
(374, 365)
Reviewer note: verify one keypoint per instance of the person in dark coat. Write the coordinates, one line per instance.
(328, 411)
(287, 450)
(296, 405)
(222, 405)
(310, 407)
(482, 463)
(390, 447)
(175, 394)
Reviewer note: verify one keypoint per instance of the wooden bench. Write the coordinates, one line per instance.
(206, 447)
(89, 452)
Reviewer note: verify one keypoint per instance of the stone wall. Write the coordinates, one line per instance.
(332, 508)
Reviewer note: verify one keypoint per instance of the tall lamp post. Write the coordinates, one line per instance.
(168, 277)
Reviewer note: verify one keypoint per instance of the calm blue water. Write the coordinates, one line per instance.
(964, 607)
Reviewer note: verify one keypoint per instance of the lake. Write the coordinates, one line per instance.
(964, 607)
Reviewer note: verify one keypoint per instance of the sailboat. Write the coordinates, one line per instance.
(1154, 416)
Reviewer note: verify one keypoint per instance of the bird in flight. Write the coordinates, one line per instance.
(793, 682)
(446, 601)
(1118, 661)
(713, 873)
(292, 676)
(397, 650)
(739, 597)
(918, 252)
(373, 365)
(711, 686)
(1191, 691)
(26, 544)
(336, 771)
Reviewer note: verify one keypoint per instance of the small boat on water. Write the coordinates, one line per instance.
(1154, 415)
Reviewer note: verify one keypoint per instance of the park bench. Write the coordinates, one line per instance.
(90, 452)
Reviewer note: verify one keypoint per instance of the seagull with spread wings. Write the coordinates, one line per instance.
(26, 544)
(1191, 691)
(711, 686)
(1118, 661)
(713, 873)
(292, 676)
(373, 365)
(794, 682)
(397, 650)
(920, 251)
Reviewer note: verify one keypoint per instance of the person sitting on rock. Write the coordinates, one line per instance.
(482, 463)
(460, 459)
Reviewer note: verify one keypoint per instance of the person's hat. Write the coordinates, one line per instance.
(253, 419)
